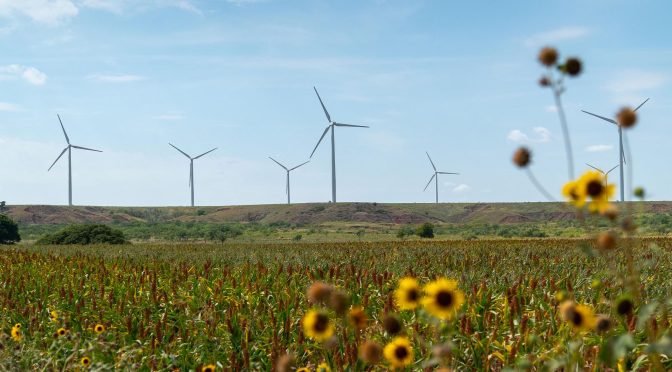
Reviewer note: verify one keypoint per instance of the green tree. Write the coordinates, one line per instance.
(224, 232)
(85, 234)
(426, 230)
(9, 231)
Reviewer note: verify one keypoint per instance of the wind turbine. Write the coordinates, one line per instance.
(435, 177)
(605, 174)
(69, 150)
(288, 170)
(191, 168)
(331, 126)
(620, 145)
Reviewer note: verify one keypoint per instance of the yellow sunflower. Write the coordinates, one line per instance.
(574, 194)
(16, 333)
(61, 332)
(323, 367)
(399, 352)
(85, 361)
(442, 298)
(303, 369)
(594, 186)
(580, 317)
(209, 368)
(407, 295)
(316, 325)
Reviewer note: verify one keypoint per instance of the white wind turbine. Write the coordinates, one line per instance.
(620, 145)
(69, 150)
(288, 170)
(191, 168)
(605, 174)
(435, 177)
(331, 126)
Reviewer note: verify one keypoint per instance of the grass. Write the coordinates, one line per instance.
(239, 306)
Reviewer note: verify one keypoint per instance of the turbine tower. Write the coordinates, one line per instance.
(288, 170)
(191, 168)
(69, 150)
(620, 145)
(435, 177)
(605, 174)
(331, 126)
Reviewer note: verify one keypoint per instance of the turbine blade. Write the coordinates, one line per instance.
(612, 169)
(59, 156)
(62, 127)
(205, 153)
(318, 142)
(430, 160)
(596, 168)
(446, 173)
(430, 181)
(322, 103)
(623, 155)
(278, 163)
(612, 121)
(183, 153)
(350, 125)
(304, 163)
(85, 148)
(647, 100)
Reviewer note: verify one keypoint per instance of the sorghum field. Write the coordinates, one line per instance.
(335, 306)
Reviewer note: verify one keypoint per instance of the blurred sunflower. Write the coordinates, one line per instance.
(85, 361)
(16, 333)
(599, 192)
(61, 332)
(573, 193)
(317, 326)
(323, 367)
(407, 295)
(581, 317)
(357, 317)
(303, 369)
(399, 352)
(442, 298)
(209, 368)
(99, 328)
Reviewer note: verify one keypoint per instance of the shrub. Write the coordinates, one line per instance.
(426, 230)
(297, 237)
(85, 234)
(405, 232)
(9, 231)
(224, 232)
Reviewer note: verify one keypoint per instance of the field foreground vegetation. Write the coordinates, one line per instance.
(243, 306)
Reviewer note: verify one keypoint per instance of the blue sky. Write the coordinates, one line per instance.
(457, 79)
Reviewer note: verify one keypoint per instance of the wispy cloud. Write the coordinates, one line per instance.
(635, 81)
(169, 117)
(42, 11)
(599, 148)
(555, 36)
(543, 135)
(461, 188)
(29, 74)
(4, 106)
(245, 2)
(117, 78)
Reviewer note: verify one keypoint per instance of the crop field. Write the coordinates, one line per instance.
(246, 307)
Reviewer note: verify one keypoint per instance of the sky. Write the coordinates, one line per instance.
(456, 79)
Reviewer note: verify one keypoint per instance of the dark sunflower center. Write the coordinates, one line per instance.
(321, 323)
(401, 352)
(444, 298)
(576, 318)
(412, 295)
(624, 307)
(595, 188)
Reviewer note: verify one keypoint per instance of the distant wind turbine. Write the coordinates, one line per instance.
(191, 168)
(435, 177)
(69, 150)
(620, 145)
(605, 174)
(288, 170)
(331, 126)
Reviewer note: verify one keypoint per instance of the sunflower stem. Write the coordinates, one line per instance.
(557, 91)
(538, 185)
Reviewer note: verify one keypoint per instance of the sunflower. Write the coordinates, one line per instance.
(61, 332)
(16, 333)
(317, 326)
(99, 328)
(442, 298)
(208, 368)
(581, 317)
(599, 192)
(574, 194)
(54, 316)
(357, 317)
(323, 367)
(370, 352)
(85, 361)
(303, 369)
(407, 295)
(399, 352)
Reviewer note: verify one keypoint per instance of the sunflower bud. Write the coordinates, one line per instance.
(286, 363)
(572, 67)
(606, 240)
(370, 352)
(522, 157)
(319, 292)
(339, 302)
(624, 305)
(603, 324)
(548, 56)
(626, 118)
(639, 192)
(392, 324)
(544, 81)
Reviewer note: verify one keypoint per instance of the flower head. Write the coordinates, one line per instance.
(99, 328)
(548, 56)
(407, 295)
(442, 298)
(323, 367)
(370, 352)
(573, 192)
(357, 317)
(580, 317)
(61, 332)
(85, 361)
(522, 157)
(317, 326)
(626, 118)
(208, 368)
(594, 186)
(16, 333)
(399, 352)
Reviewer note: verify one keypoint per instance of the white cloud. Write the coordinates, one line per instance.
(4, 106)
(556, 36)
(119, 78)
(169, 117)
(635, 81)
(543, 136)
(461, 188)
(551, 108)
(244, 2)
(29, 74)
(599, 148)
(121, 6)
(42, 11)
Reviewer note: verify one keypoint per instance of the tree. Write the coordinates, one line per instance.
(224, 232)
(426, 230)
(405, 231)
(9, 231)
(85, 234)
